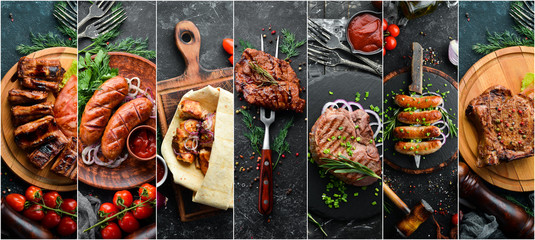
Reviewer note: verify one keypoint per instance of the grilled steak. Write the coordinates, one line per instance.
(504, 123)
(25, 97)
(259, 90)
(44, 69)
(66, 163)
(338, 131)
(45, 153)
(25, 114)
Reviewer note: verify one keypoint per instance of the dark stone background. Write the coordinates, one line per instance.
(25, 15)
(368, 228)
(214, 20)
(494, 17)
(289, 218)
(439, 189)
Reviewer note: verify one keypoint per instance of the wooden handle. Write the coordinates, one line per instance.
(514, 221)
(188, 41)
(397, 201)
(265, 190)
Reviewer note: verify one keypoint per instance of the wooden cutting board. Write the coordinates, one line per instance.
(131, 173)
(170, 91)
(16, 158)
(506, 67)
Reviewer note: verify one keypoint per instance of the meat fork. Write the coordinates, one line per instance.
(104, 24)
(97, 10)
(265, 189)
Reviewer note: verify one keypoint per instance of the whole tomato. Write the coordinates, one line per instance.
(385, 24)
(16, 201)
(129, 223)
(111, 231)
(228, 45)
(142, 211)
(34, 194)
(107, 210)
(455, 219)
(231, 59)
(390, 43)
(67, 226)
(147, 191)
(52, 199)
(384, 51)
(34, 212)
(122, 199)
(51, 220)
(393, 29)
(69, 205)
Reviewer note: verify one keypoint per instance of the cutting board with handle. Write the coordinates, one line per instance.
(170, 91)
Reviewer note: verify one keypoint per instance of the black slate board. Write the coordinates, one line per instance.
(343, 85)
(440, 82)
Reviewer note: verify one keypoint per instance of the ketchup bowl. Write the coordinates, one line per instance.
(161, 171)
(364, 33)
(141, 143)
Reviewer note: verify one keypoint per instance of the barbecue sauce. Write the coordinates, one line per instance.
(364, 33)
(143, 144)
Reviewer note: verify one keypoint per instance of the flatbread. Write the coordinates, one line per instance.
(216, 188)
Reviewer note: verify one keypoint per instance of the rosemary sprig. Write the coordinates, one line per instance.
(448, 117)
(266, 76)
(343, 165)
(289, 44)
(317, 224)
(280, 145)
(390, 124)
(255, 133)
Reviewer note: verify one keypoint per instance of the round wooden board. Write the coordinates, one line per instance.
(130, 173)
(16, 158)
(505, 67)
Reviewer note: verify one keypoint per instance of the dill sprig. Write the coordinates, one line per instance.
(245, 44)
(317, 224)
(280, 144)
(448, 117)
(266, 77)
(289, 44)
(255, 133)
(42, 41)
(343, 165)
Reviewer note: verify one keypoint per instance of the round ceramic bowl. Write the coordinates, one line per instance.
(161, 161)
(138, 128)
(353, 50)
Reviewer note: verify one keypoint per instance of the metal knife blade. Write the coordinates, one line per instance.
(416, 68)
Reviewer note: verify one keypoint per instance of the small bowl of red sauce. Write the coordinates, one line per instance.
(141, 143)
(364, 33)
(161, 171)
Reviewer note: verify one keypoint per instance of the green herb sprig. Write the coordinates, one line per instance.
(255, 134)
(267, 78)
(317, 224)
(245, 44)
(42, 41)
(280, 144)
(448, 118)
(289, 44)
(390, 123)
(343, 165)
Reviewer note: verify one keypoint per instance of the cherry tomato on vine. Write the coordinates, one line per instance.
(67, 226)
(34, 212)
(231, 59)
(384, 51)
(106, 210)
(111, 231)
(385, 24)
(142, 211)
(122, 199)
(393, 29)
(390, 43)
(228, 45)
(52, 199)
(34, 194)
(129, 223)
(146, 192)
(16, 201)
(69, 205)
(51, 220)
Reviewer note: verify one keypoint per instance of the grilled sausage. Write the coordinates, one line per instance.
(126, 118)
(422, 132)
(25, 97)
(405, 101)
(98, 109)
(420, 148)
(423, 117)
(23, 227)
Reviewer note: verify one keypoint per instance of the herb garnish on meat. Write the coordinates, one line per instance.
(266, 77)
(343, 165)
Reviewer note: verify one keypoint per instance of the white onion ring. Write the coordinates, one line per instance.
(379, 122)
(133, 87)
(356, 104)
(195, 140)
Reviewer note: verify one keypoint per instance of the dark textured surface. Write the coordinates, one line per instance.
(288, 219)
(439, 189)
(25, 14)
(214, 21)
(494, 17)
(141, 22)
(370, 227)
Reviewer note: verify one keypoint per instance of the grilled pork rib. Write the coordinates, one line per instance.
(44, 69)
(25, 114)
(25, 97)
